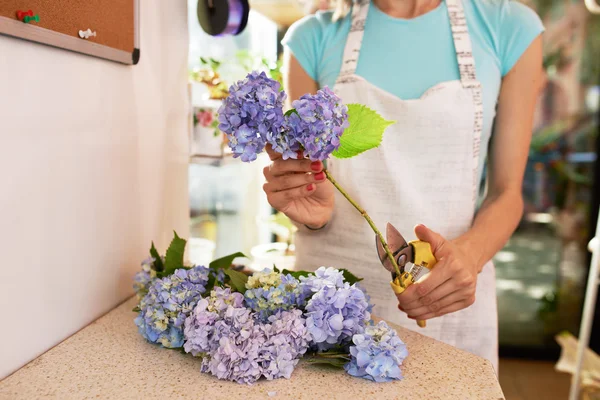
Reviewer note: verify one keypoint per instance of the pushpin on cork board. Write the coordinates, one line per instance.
(27, 19)
(109, 28)
(22, 14)
(87, 34)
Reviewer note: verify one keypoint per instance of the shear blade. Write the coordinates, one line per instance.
(395, 243)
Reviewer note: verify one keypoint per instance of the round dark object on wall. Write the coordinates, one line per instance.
(223, 17)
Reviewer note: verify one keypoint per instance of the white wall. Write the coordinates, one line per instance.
(93, 166)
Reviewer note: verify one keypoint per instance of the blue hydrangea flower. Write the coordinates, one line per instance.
(219, 276)
(285, 141)
(252, 111)
(269, 292)
(322, 277)
(142, 279)
(334, 315)
(377, 354)
(167, 304)
(318, 123)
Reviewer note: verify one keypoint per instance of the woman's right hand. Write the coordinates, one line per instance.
(299, 189)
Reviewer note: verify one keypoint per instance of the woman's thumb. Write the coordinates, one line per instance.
(427, 235)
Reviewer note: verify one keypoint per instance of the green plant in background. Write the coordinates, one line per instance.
(252, 62)
(590, 65)
(211, 63)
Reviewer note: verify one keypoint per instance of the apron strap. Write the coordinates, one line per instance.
(468, 78)
(462, 43)
(360, 10)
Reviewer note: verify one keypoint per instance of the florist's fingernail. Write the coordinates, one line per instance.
(310, 187)
(320, 176)
(315, 166)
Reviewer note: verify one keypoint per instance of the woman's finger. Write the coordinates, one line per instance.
(291, 181)
(273, 155)
(282, 167)
(436, 295)
(438, 305)
(453, 307)
(427, 284)
(281, 200)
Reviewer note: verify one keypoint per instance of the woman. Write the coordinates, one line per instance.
(446, 84)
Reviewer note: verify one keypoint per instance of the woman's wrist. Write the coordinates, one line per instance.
(472, 248)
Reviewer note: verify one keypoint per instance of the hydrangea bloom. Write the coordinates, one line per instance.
(235, 346)
(268, 292)
(200, 325)
(238, 344)
(252, 111)
(285, 142)
(142, 279)
(318, 123)
(322, 277)
(377, 354)
(168, 302)
(334, 315)
(287, 340)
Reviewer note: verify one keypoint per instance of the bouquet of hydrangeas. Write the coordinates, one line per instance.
(243, 328)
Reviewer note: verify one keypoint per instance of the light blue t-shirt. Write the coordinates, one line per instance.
(408, 56)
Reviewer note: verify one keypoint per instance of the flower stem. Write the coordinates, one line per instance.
(366, 217)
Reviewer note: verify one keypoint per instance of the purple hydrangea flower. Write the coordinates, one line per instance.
(235, 345)
(269, 292)
(377, 354)
(200, 325)
(167, 304)
(287, 340)
(334, 315)
(317, 124)
(252, 111)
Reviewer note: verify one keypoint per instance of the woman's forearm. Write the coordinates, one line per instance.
(494, 224)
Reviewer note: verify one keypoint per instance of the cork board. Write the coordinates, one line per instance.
(114, 22)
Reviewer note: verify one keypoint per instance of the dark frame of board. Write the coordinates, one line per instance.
(15, 27)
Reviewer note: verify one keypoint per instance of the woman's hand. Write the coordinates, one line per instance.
(449, 287)
(299, 189)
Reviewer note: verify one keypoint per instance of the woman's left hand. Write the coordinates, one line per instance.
(449, 287)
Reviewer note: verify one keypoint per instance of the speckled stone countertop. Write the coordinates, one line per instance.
(109, 360)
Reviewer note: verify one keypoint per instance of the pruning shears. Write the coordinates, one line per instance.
(415, 260)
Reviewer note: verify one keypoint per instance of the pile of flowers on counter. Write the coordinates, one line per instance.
(243, 328)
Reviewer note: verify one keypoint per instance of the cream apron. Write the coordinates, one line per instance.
(425, 171)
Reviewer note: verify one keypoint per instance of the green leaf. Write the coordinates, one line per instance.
(212, 279)
(158, 264)
(350, 277)
(365, 131)
(174, 255)
(275, 269)
(296, 274)
(238, 280)
(290, 112)
(136, 309)
(338, 362)
(225, 262)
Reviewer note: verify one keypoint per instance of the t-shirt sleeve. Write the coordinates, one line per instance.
(519, 26)
(304, 40)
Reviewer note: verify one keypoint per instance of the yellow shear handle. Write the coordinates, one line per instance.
(423, 256)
